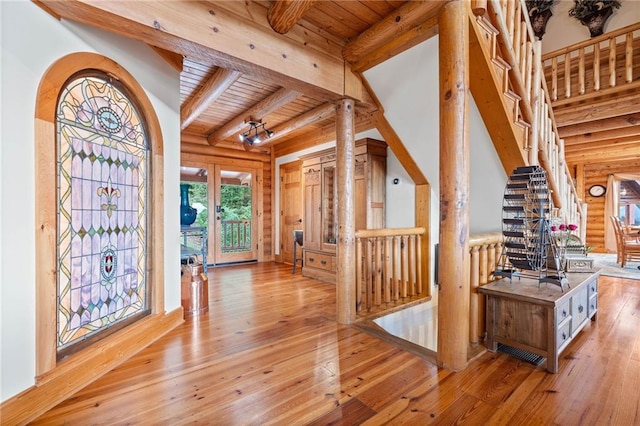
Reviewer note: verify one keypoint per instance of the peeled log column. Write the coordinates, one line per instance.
(454, 263)
(345, 251)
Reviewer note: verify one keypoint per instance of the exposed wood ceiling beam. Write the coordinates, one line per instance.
(620, 152)
(600, 125)
(259, 110)
(172, 58)
(211, 90)
(285, 14)
(217, 36)
(317, 114)
(399, 22)
(326, 133)
(402, 42)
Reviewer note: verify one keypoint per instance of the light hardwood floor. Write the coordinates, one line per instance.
(270, 352)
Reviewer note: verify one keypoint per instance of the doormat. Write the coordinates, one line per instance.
(534, 359)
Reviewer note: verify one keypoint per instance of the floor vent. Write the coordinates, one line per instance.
(520, 354)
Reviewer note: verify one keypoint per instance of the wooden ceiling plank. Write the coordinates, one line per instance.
(587, 138)
(588, 156)
(258, 111)
(598, 110)
(212, 89)
(599, 125)
(217, 36)
(285, 14)
(400, 21)
(603, 146)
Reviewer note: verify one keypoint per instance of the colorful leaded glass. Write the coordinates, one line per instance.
(102, 198)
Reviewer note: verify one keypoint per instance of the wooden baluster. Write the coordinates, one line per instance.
(388, 270)
(596, 67)
(554, 78)
(359, 274)
(412, 265)
(405, 266)
(485, 267)
(509, 16)
(628, 58)
(612, 62)
(367, 276)
(377, 271)
(581, 84)
(528, 72)
(516, 41)
(397, 270)
(474, 278)
(419, 264)
(567, 75)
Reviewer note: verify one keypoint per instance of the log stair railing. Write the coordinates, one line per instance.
(516, 58)
(600, 66)
(388, 273)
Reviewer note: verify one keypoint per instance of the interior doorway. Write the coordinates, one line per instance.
(290, 207)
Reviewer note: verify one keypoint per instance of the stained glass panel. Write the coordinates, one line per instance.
(102, 196)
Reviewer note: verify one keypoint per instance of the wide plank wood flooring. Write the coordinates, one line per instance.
(270, 352)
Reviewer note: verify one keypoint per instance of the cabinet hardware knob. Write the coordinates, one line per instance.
(580, 308)
(564, 336)
(311, 259)
(564, 313)
(324, 262)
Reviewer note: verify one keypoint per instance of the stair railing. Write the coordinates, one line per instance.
(516, 44)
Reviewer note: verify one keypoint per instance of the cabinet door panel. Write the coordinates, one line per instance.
(311, 208)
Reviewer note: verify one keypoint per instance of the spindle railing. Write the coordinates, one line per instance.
(388, 269)
(485, 252)
(600, 66)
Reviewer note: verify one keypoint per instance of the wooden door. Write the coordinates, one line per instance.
(312, 205)
(235, 210)
(290, 208)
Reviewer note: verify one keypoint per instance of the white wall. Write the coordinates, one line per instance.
(411, 104)
(31, 40)
(563, 30)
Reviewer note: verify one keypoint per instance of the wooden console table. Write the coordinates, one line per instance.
(540, 319)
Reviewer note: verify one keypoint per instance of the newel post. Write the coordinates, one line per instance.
(454, 262)
(346, 248)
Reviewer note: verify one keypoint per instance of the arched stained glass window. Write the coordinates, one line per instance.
(102, 171)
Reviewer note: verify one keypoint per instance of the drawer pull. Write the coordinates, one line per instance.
(311, 259)
(580, 308)
(593, 289)
(564, 313)
(564, 336)
(593, 307)
(324, 262)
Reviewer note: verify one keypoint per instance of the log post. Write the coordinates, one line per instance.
(345, 250)
(454, 262)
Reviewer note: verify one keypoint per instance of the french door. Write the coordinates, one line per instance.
(233, 216)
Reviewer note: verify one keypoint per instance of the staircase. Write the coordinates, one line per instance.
(506, 63)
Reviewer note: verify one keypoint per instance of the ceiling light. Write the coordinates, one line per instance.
(252, 136)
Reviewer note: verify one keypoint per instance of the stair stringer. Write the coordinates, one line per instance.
(490, 87)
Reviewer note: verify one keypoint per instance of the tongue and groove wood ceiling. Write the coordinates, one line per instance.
(285, 63)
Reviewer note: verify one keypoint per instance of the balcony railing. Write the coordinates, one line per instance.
(600, 66)
(388, 270)
(235, 236)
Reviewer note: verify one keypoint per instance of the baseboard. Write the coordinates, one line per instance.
(84, 367)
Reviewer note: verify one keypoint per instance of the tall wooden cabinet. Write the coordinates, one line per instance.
(320, 202)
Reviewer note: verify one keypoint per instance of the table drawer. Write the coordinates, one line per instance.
(593, 305)
(593, 288)
(317, 260)
(563, 312)
(563, 334)
(579, 308)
